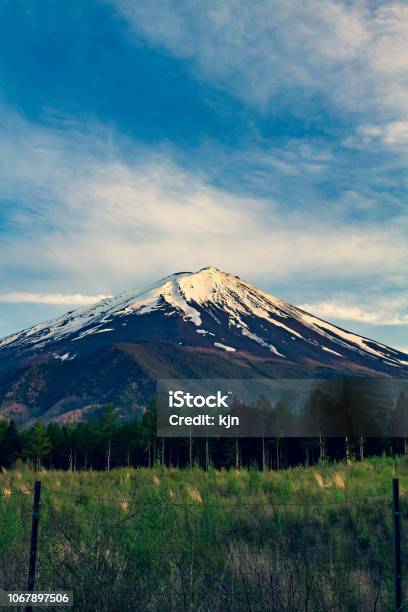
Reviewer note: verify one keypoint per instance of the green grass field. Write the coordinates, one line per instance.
(165, 539)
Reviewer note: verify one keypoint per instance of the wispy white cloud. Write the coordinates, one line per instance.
(75, 299)
(393, 312)
(394, 133)
(353, 54)
(96, 221)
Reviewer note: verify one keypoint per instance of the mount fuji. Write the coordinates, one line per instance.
(207, 324)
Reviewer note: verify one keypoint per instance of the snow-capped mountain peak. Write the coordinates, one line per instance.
(208, 309)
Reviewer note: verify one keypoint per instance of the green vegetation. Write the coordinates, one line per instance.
(315, 538)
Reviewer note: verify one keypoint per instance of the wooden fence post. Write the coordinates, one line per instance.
(34, 536)
(397, 543)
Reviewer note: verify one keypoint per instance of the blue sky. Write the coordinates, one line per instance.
(268, 139)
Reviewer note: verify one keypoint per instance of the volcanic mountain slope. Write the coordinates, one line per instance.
(206, 324)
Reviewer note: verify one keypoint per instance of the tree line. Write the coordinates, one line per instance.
(106, 442)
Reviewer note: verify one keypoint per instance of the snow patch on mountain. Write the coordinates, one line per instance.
(89, 332)
(204, 332)
(229, 349)
(331, 351)
(173, 294)
(341, 334)
(261, 341)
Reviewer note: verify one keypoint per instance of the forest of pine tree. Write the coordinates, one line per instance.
(104, 443)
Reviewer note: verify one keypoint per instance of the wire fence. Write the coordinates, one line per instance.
(159, 553)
